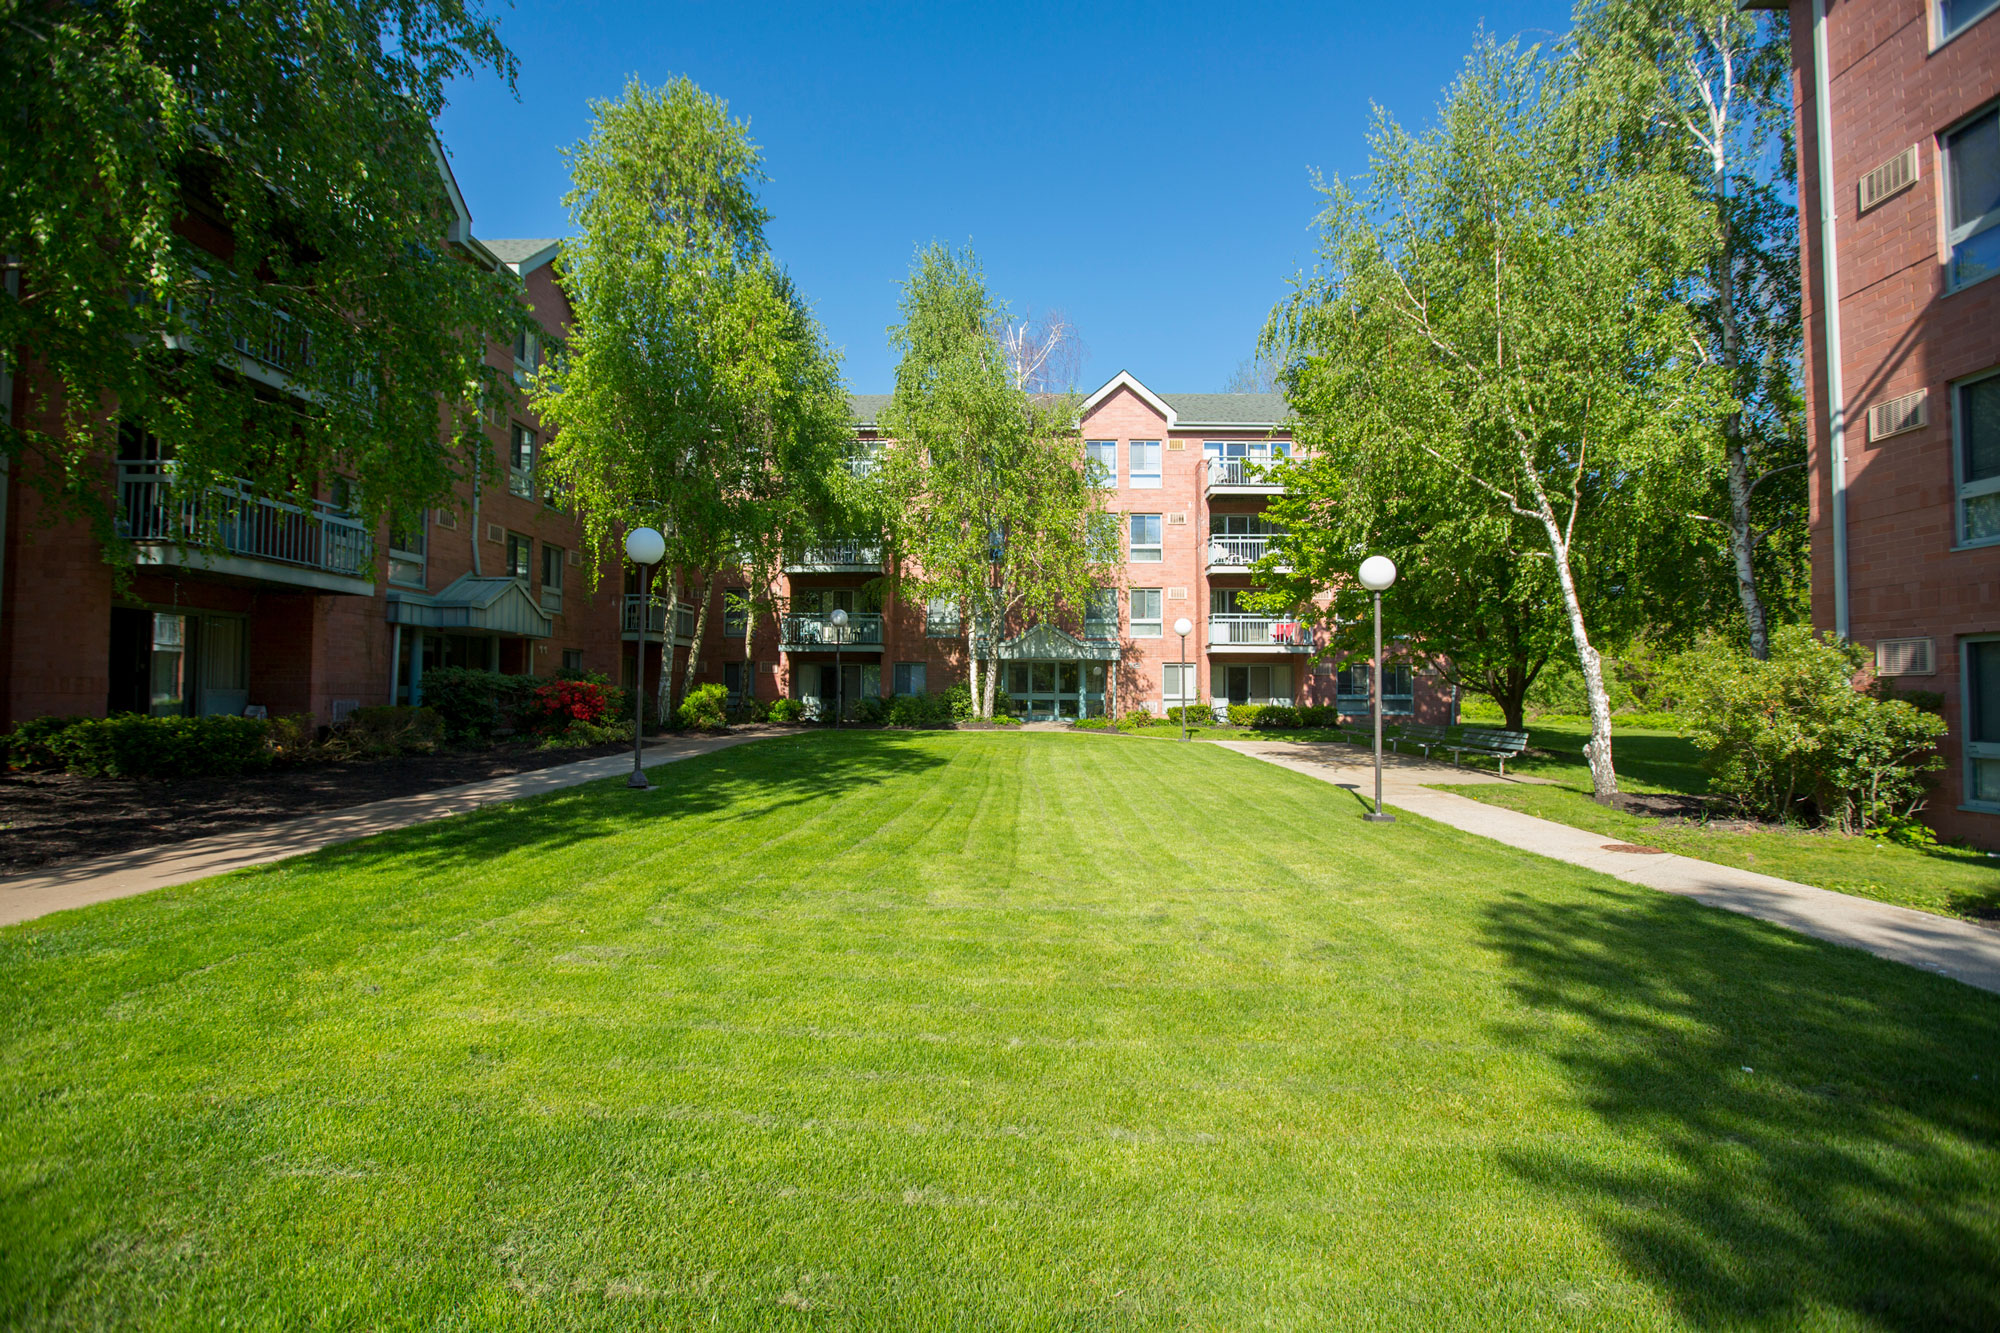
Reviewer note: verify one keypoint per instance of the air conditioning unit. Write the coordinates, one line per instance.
(1898, 416)
(1176, 520)
(495, 533)
(1177, 594)
(1173, 445)
(1890, 179)
(1905, 657)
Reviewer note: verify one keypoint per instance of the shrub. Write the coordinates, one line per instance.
(1282, 716)
(870, 710)
(133, 745)
(787, 711)
(1793, 738)
(920, 710)
(1091, 723)
(704, 709)
(391, 729)
(1319, 715)
(558, 703)
(959, 700)
(1197, 714)
(1003, 720)
(475, 704)
(1138, 717)
(577, 735)
(750, 710)
(28, 745)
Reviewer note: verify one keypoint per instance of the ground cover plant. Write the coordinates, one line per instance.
(947, 1030)
(1956, 881)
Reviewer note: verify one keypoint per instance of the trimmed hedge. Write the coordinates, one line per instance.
(132, 745)
(28, 743)
(705, 709)
(920, 710)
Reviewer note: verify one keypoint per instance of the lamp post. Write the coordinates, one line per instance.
(839, 622)
(1184, 627)
(645, 547)
(1377, 573)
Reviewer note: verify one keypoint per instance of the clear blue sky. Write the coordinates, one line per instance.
(1144, 168)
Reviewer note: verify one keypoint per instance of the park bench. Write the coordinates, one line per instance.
(1488, 743)
(1421, 734)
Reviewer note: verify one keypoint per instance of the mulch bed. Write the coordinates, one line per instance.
(1713, 812)
(50, 818)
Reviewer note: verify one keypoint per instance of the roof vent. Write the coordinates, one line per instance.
(1905, 657)
(1897, 416)
(1890, 179)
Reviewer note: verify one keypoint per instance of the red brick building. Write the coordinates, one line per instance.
(1898, 106)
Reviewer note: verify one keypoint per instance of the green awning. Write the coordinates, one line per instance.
(495, 605)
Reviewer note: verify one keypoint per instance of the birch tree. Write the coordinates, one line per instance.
(1497, 301)
(1703, 86)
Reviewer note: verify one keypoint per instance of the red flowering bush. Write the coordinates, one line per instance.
(561, 702)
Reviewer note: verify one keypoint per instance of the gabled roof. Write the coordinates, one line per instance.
(866, 408)
(472, 602)
(525, 255)
(1239, 410)
(1125, 379)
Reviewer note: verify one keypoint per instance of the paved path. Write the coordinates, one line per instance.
(1953, 948)
(126, 873)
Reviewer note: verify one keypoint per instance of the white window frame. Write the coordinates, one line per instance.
(1944, 33)
(1184, 677)
(1134, 547)
(1100, 462)
(1100, 614)
(941, 619)
(1973, 751)
(521, 475)
(1958, 234)
(1150, 478)
(1964, 490)
(552, 589)
(409, 565)
(526, 572)
(1152, 626)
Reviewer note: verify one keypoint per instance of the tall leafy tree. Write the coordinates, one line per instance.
(200, 199)
(1703, 88)
(1495, 311)
(984, 481)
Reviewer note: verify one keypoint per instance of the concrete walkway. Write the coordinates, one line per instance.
(124, 874)
(1941, 944)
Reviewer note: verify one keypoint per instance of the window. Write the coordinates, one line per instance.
(941, 618)
(1352, 687)
(520, 550)
(1242, 462)
(1100, 463)
(1245, 683)
(407, 547)
(1982, 722)
(732, 683)
(527, 352)
(1145, 538)
(572, 660)
(1145, 465)
(1976, 426)
(521, 463)
(1178, 682)
(909, 678)
(1972, 199)
(1100, 614)
(1145, 613)
(552, 577)
(735, 612)
(1955, 16)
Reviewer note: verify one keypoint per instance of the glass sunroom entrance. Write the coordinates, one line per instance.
(1048, 674)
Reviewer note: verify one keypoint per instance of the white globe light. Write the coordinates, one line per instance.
(645, 546)
(839, 617)
(1183, 626)
(1377, 572)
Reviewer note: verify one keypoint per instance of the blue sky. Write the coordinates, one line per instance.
(1145, 168)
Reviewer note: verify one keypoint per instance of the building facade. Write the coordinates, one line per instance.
(1898, 107)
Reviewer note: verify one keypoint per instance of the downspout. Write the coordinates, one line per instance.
(1829, 269)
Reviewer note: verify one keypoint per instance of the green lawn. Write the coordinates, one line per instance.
(980, 1030)
(1953, 881)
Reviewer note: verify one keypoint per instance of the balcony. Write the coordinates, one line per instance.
(1236, 552)
(656, 618)
(837, 558)
(232, 531)
(814, 633)
(1242, 476)
(1235, 632)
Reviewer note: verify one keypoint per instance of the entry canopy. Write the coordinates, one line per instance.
(1045, 643)
(496, 605)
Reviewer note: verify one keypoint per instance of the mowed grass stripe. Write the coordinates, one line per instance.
(977, 1030)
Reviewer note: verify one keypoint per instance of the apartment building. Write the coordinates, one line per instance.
(1898, 106)
(299, 607)
(1187, 475)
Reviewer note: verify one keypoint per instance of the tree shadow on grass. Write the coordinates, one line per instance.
(741, 783)
(1800, 1132)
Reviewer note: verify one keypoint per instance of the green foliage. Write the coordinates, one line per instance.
(28, 744)
(578, 735)
(706, 708)
(924, 710)
(295, 738)
(385, 730)
(751, 710)
(300, 136)
(1091, 723)
(1198, 714)
(870, 710)
(1792, 738)
(1319, 715)
(132, 745)
(787, 711)
(476, 704)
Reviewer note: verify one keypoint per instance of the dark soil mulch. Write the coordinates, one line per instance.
(1716, 812)
(49, 818)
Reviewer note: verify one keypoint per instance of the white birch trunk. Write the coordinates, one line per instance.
(700, 627)
(1603, 777)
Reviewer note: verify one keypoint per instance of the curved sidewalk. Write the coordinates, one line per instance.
(1941, 944)
(123, 874)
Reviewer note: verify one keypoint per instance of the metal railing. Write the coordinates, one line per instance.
(835, 553)
(1241, 550)
(656, 615)
(863, 463)
(864, 629)
(1241, 472)
(312, 535)
(1234, 629)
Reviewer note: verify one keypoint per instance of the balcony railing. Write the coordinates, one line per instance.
(1241, 550)
(1230, 629)
(815, 631)
(1243, 473)
(310, 535)
(836, 556)
(656, 615)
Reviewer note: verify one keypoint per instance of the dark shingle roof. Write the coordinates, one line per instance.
(867, 408)
(1227, 409)
(514, 252)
